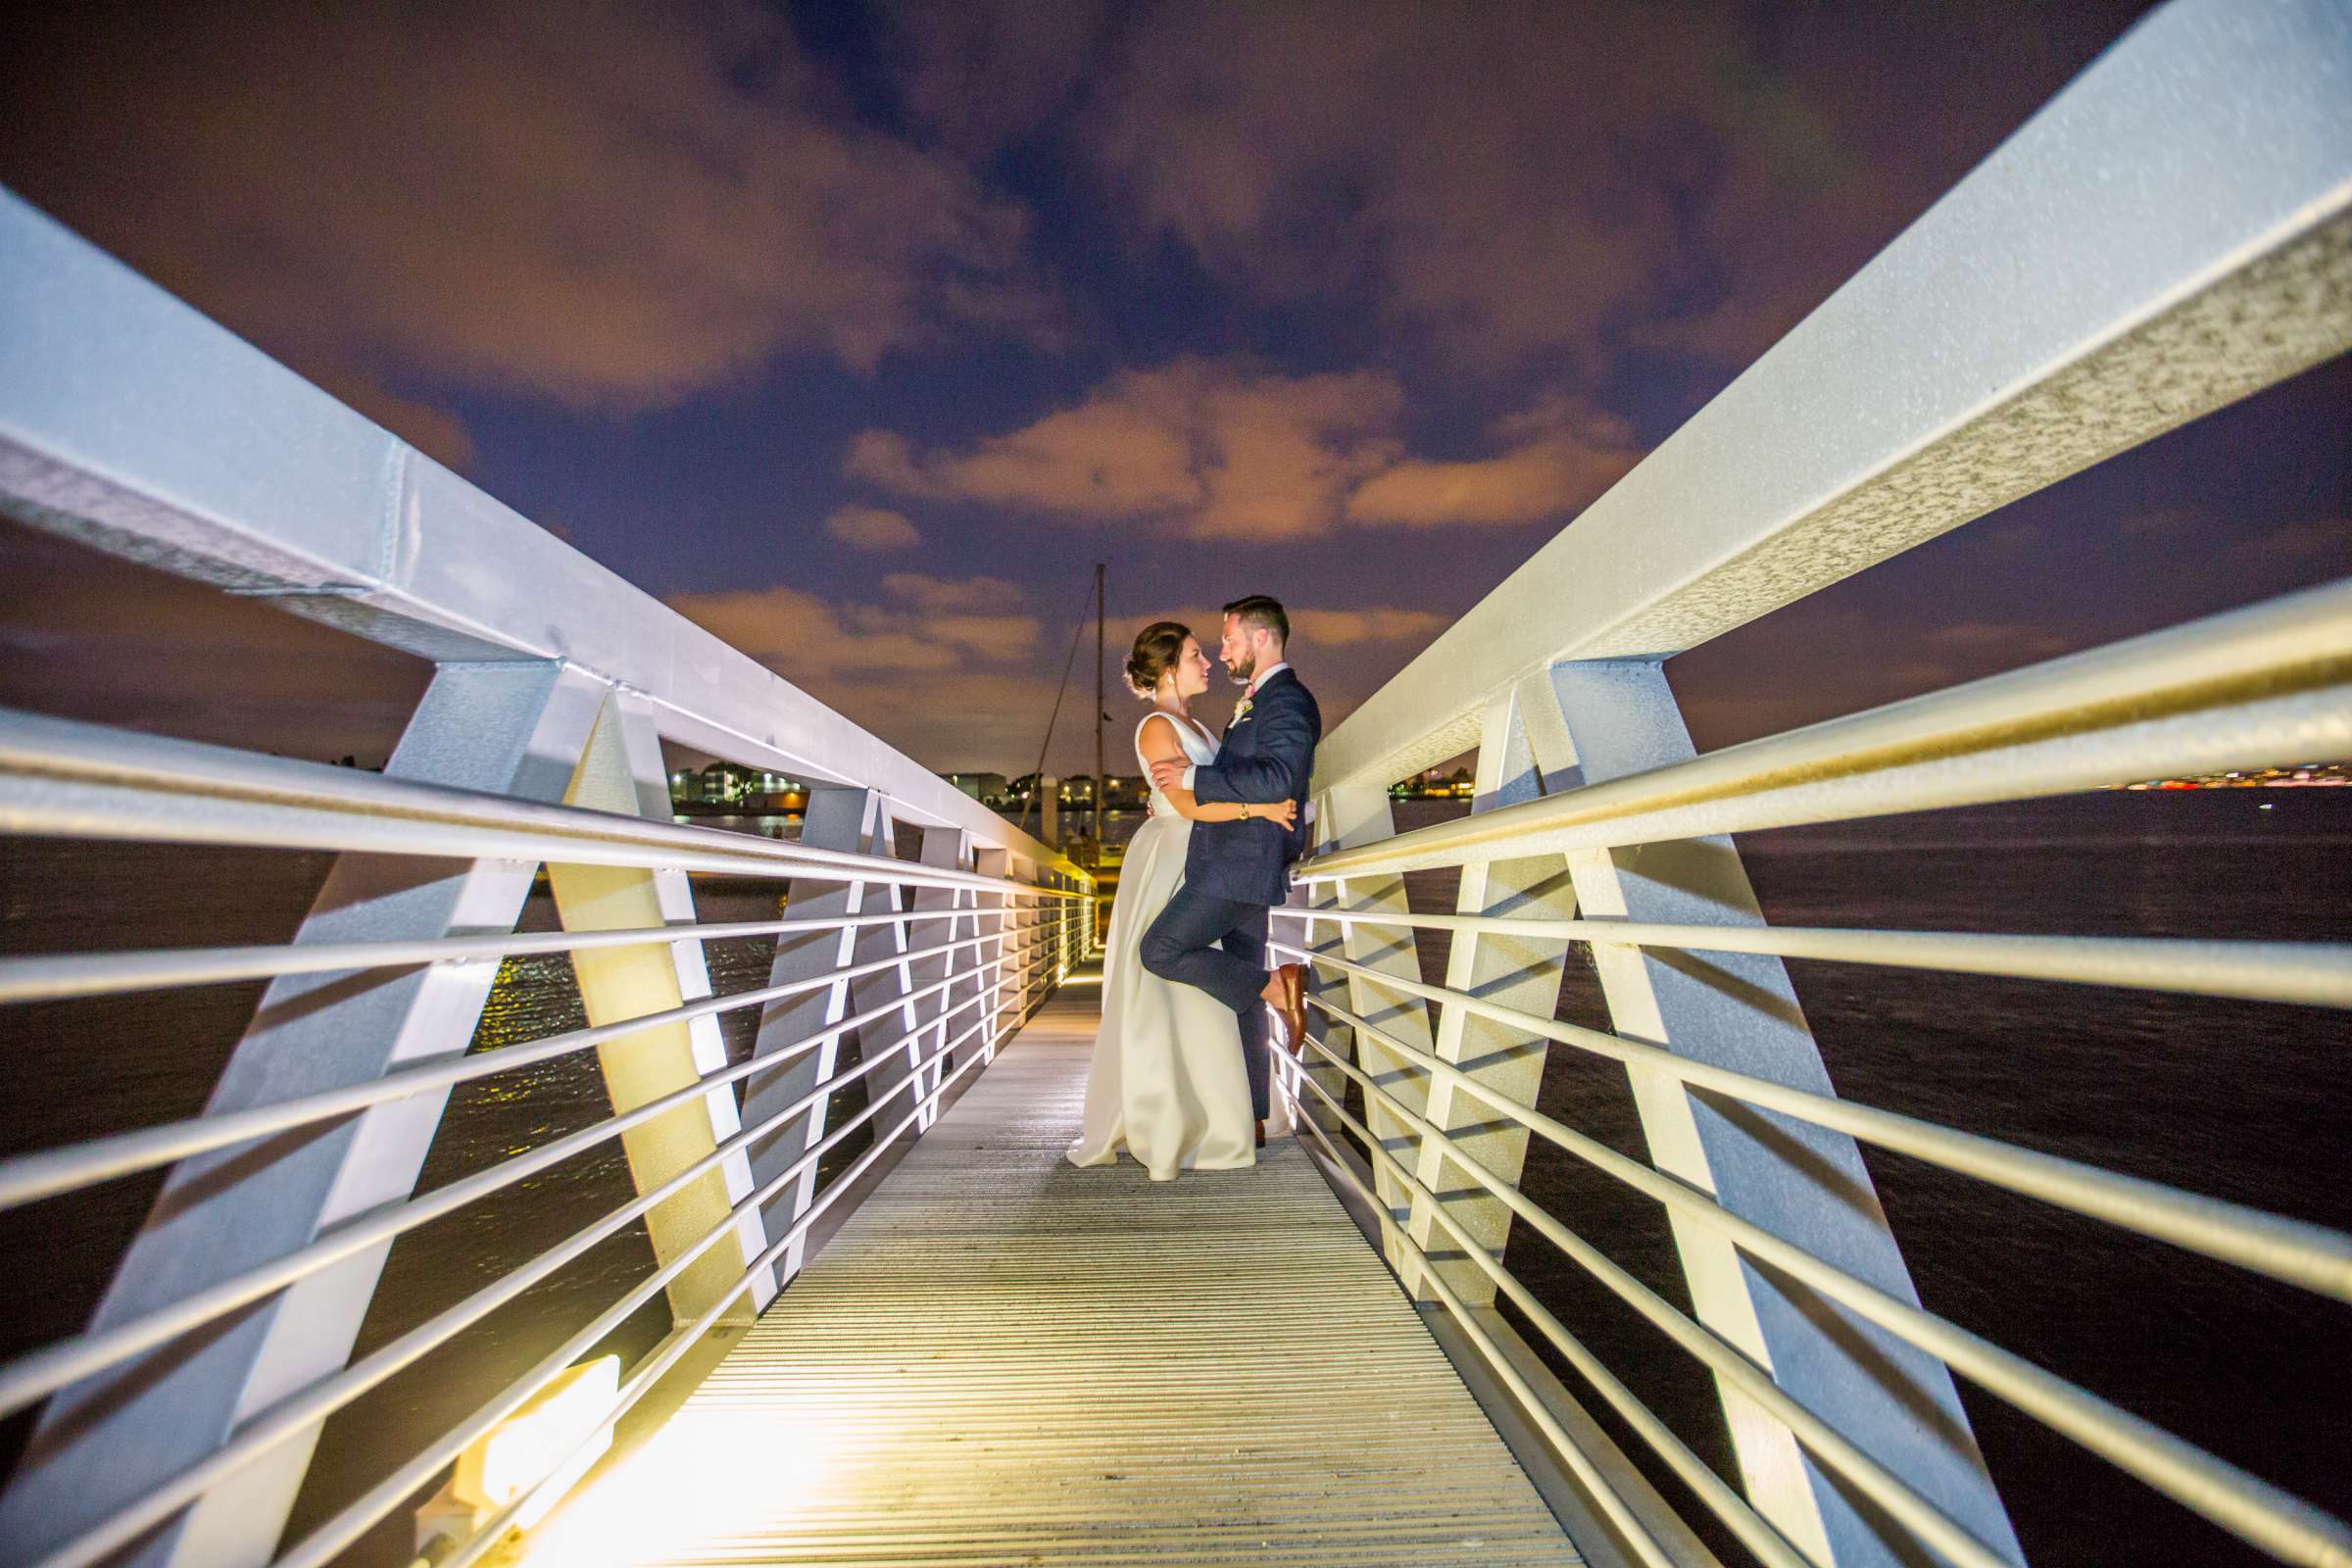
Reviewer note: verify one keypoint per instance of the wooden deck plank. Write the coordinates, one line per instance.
(1001, 1360)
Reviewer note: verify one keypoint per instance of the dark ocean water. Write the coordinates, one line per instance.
(2244, 1101)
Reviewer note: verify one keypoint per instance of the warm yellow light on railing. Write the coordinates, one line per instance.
(523, 1449)
(565, 1424)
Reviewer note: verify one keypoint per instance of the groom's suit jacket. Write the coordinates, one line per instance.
(1268, 753)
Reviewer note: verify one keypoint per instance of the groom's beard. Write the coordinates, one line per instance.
(1242, 673)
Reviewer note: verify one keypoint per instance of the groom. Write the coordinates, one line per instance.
(1233, 872)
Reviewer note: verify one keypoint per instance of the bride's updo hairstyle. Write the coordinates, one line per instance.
(1157, 649)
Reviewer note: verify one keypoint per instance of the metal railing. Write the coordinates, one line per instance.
(179, 1426)
(2171, 234)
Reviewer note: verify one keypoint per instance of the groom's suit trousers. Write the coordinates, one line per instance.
(1177, 949)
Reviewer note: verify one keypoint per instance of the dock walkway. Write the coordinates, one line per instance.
(1002, 1359)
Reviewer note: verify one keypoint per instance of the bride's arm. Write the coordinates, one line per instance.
(1158, 744)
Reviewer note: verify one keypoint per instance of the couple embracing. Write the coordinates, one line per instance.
(1180, 1077)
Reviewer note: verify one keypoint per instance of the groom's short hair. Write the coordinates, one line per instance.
(1262, 611)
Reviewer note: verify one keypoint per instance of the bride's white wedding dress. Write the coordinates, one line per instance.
(1168, 1083)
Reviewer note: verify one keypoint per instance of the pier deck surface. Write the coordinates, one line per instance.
(1004, 1359)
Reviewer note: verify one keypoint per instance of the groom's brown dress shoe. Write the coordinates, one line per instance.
(1262, 1131)
(1292, 1006)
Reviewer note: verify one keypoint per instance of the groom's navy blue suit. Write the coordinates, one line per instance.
(1233, 872)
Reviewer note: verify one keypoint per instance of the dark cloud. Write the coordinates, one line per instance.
(1517, 179)
(590, 203)
(1032, 57)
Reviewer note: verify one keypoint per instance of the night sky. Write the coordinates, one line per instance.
(859, 333)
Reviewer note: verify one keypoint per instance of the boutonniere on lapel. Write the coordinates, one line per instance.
(1241, 713)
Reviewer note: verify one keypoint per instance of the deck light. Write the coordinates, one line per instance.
(571, 1413)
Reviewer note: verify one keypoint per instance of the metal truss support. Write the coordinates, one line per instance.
(1794, 1179)
(1523, 750)
(998, 915)
(856, 821)
(514, 729)
(946, 849)
(623, 773)
(1345, 816)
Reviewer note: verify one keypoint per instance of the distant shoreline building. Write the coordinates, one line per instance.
(737, 789)
(1431, 785)
(2303, 775)
(986, 788)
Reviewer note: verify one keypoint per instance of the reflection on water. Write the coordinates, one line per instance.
(2241, 1099)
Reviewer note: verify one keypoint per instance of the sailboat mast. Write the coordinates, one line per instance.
(1102, 784)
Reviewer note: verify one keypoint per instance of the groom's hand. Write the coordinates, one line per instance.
(1168, 774)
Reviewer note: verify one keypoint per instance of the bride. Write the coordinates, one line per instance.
(1167, 1082)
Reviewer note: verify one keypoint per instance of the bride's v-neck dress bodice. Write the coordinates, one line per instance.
(1166, 1083)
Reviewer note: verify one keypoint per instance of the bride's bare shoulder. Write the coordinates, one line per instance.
(1161, 739)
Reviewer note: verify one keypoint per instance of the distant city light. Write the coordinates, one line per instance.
(2303, 775)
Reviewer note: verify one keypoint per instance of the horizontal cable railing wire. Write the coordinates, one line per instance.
(50, 977)
(2312, 1257)
(2242, 689)
(1752, 1529)
(26, 1178)
(2233, 1498)
(304, 1409)
(31, 1376)
(2315, 974)
(323, 1545)
(63, 778)
(1900, 1500)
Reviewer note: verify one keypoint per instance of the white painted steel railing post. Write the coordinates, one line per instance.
(1794, 1179)
(944, 848)
(1049, 912)
(1523, 751)
(622, 772)
(834, 819)
(996, 923)
(1346, 816)
(513, 729)
(1040, 936)
(1033, 951)
(1049, 936)
(894, 1033)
